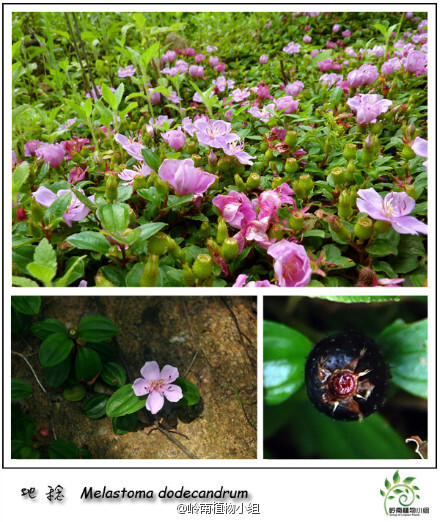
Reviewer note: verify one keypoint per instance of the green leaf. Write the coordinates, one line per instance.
(359, 298)
(124, 402)
(191, 394)
(149, 54)
(118, 95)
(125, 424)
(54, 349)
(74, 393)
(396, 480)
(113, 373)
(128, 109)
(90, 241)
(94, 407)
(97, 328)
(29, 305)
(74, 270)
(63, 449)
(114, 217)
(285, 352)
(19, 177)
(147, 230)
(109, 97)
(58, 207)
(151, 159)
(23, 281)
(406, 348)
(178, 201)
(19, 389)
(47, 327)
(44, 266)
(408, 480)
(387, 484)
(56, 375)
(19, 322)
(105, 349)
(87, 364)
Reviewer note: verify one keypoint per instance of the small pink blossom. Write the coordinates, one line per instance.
(125, 72)
(368, 107)
(325, 65)
(77, 174)
(294, 88)
(213, 61)
(196, 71)
(263, 59)
(235, 148)
(51, 153)
(292, 48)
(157, 384)
(175, 138)
(420, 147)
(209, 131)
(31, 147)
(336, 28)
(346, 33)
(307, 38)
(199, 58)
(394, 209)
(286, 104)
(241, 282)
(133, 147)
(128, 175)
(184, 177)
(292, 264)
(365, 75)
(235, 208)
(262, 114)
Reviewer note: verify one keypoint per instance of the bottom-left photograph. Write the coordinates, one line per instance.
(133, 377)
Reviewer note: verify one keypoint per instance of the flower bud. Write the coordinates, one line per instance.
(222, 230)
(253, 180)
(35, 229)
(338, 176)
(344, 206)
(158, 244)
(381, 227)
(111, 186)
(150, 274)
(263, 146)
(349, 152)
(328, 146)
(191, 147)
(37, 211)
(291, 138)
(368, 152)
(298, 190)
(296, 221)
(202, 267)
(305, 182)
(376, 128)
(139, 182)
(268, 155)
(230, 248)
(276, 231)
(366, 277)
(407, 153)
(364, 228)
(161, 186)
(205, 230)
(350, 169)
(239, 183)
(188, 276)
(197, 160)
(291, 165)
(225, 164)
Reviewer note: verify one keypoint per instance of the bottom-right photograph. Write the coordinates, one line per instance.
(345, 377)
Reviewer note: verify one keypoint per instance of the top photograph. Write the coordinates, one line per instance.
(204, 149)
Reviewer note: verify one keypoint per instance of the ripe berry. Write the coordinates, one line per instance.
(346, 376)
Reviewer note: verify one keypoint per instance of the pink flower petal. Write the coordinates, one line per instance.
(150, 371)
(154, 402)
(172, 392)
(141, 387)
(169, 373)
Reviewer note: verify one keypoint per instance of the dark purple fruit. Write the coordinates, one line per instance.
(346, 376)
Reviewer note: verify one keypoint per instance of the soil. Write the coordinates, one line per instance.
(221, 426)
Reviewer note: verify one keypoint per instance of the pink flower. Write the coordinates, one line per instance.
(239, 95)
(394, 208)
(262, 114)
(263, 59)
(221, 67)
(196, 71)
(420, 147)
(184, 177)
(292, 48)
(286, 104)
(175, 138)
(292, 265)
(269, 201)
(294, 88)
(331, 79)
(235, 148)
(346, 33)
(415, 61)
(325, 65)
(14, 158)
(336, 28)
(213, 61)
(76, 211)
(241, 281)
(255, 230)
(77, 174)
(131, 146)
(365, 75)
(30, 147)
(209, 131)
(235, 208)
(390, 66)
(368, 107)
(389, 282)
(189, 51)
(157, 384)
(211, 48)
(126, 72)
(199, 58)
(51, 153)
(154, 97)
(307, 38)
(128, 175)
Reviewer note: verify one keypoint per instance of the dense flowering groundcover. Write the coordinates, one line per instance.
(161, 149)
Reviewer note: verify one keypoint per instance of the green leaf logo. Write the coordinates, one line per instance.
(399, 490)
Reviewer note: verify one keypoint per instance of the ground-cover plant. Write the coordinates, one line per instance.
(309, 413)
(161, 149)
(83, 364)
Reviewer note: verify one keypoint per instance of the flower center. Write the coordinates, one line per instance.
(156, 385)
(343, 384)
(388, 208)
